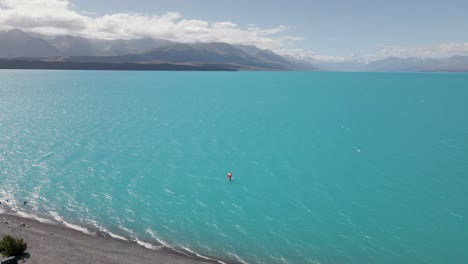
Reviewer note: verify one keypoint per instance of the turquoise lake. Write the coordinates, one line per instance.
(354, 168)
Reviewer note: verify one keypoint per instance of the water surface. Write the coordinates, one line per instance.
(327, 167)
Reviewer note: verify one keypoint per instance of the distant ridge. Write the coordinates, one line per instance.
(215, 52)
(63, 65)
(73, 49)
(68, 45)
(100, 53)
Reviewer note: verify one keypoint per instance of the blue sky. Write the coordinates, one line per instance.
(321, 28)
(328, 27)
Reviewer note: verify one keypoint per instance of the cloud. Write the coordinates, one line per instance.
(443, 50)
(55, 17)
(433, 51)
(306, 55)
(52, 17)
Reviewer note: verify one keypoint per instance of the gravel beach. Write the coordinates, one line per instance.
(55, 244)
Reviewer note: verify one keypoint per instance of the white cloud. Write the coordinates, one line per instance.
(433, 51)
(60, 17)
(443, 50)
(310, 56)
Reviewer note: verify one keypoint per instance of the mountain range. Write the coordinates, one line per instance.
(17, 44)
(74, 52)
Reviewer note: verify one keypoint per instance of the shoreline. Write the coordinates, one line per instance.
(53, 243)
(32, 64)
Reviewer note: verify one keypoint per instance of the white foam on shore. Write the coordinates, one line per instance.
(154, 236)
(134, 238)
(201, 256)
(164, 244)
(35, 196)
(115, 235)
(102, 229)
(59, 220)
(147, 245)
(72, 226)
(35, 217)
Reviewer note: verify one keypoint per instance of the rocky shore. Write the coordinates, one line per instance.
(54, 244)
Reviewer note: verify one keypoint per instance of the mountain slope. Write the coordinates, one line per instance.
(68, 45)
(16, 43)
(264, 55)
(144, 50)
(34, 46)
(216, 52)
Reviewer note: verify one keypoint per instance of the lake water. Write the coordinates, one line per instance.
(354, 168)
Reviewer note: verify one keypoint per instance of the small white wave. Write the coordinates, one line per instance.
(78, 228)
(456, 215)
(312, 261)
(115, 235)
(41, 165)
(237, 257)
(200, 256)
(169, 229)
(59, 219)
(222, 234)
(241, 230)
(169, 191)
(164, 244)
(239, 208)
(147, 245)
(104, 230)
(284, 260)
(43, 157)
(121, 227)
(35, 217)
(35, 197)
(130, 211)
(201, 203)
(108, 197)
(154, 236)
(112, 234)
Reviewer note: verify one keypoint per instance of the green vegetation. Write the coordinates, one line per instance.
(12, 246)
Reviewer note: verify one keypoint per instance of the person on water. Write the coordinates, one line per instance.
(228, 176)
